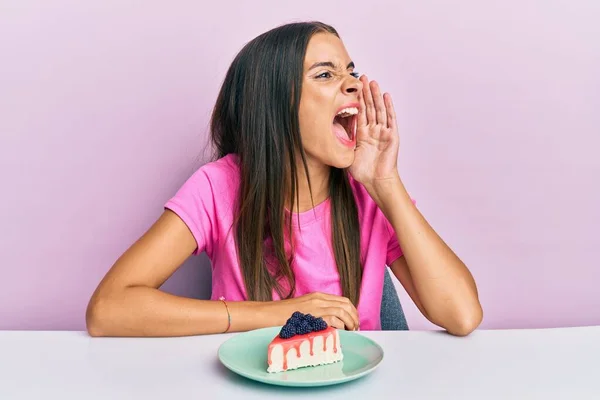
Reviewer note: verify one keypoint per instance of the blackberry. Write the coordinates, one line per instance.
(287, 331)
(309, 318)
(319, 324)
(304, 327)
(298, 315)
(293, 321)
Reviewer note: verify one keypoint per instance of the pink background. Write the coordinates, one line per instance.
(104, 108)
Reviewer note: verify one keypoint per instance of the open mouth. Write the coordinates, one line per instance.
(344, 125)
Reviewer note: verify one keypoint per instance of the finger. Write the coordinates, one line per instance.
(353, 312)
(361, 122)
(342, 314)
(344, 303)
(380, 113)
(391, 113)
(334, 322)
(331, 297)
(353, 319)
(369, 105)
(362, 113)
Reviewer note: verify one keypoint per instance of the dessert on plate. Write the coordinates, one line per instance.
(304, 341)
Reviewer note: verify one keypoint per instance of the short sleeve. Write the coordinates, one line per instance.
(194, 203)
(394, 251)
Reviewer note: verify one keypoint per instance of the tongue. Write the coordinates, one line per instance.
(339, 131)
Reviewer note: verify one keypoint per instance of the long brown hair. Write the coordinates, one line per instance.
(256, 117)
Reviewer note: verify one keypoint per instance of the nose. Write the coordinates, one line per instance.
(352, 85)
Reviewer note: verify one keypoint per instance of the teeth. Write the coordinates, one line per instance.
(346, 112)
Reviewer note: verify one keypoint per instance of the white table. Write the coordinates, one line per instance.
(511, 364)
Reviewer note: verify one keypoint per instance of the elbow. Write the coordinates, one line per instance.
(467, 321)
(96, 319)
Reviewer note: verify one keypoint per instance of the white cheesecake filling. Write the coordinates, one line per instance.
(321, 354)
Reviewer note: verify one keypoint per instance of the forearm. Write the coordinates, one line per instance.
(444, 285)
(145, 311)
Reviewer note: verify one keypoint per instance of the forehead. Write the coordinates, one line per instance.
(326, 47)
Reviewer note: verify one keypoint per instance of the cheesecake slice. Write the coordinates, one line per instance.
(304, 341)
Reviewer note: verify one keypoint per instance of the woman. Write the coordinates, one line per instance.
(301, 210)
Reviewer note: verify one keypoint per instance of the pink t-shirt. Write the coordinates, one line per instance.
(206, 204)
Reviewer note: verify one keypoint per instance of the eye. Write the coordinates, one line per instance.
(355, 74)
(324, 75)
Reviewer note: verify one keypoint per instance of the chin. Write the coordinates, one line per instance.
(342, 161)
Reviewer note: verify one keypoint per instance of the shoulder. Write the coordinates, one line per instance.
(223, 169)
(205, 200)
(220, 175)
(214, 182)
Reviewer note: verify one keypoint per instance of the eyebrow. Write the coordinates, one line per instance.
(330, 65)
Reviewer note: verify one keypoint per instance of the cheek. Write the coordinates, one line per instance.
(314, 126)
(316, 134)
(315, 105)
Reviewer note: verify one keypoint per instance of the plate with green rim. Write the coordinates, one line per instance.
(246, 355)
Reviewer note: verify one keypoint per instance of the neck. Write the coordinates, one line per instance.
(319, 179)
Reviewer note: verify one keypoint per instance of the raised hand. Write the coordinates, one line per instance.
(377, 139)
